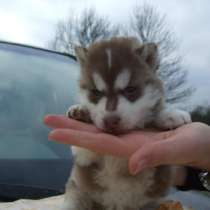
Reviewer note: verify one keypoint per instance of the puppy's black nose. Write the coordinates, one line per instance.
(112, 123)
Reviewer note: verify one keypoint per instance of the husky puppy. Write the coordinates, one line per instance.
(119, 91)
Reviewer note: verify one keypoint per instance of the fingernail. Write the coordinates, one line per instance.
(50, 136)
(139, 167)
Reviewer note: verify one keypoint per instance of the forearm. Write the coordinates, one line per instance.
(180, 176)
(205, 165)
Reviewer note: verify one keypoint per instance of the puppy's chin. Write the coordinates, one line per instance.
(117, 131)
(114, 131)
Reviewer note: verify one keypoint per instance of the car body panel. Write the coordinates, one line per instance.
(34, 82)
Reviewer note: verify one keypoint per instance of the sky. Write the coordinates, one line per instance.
(33, 22)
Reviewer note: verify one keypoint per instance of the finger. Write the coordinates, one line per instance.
(59, 121)
(149, 135)
(158, 135)
(158, 153)
(164, 135)
(97, 142)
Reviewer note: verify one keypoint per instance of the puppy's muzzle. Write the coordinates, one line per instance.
(112, 124)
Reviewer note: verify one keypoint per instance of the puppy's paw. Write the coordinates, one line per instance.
(84, 157)
(172, 118)
(77, 112)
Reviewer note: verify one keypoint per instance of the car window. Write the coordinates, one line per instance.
(33, 83)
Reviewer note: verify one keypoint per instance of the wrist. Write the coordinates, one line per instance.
(180, 176)
(208, 166)
(193, 180)
(204, 165)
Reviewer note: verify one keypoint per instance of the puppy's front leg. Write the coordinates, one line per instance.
(75, 199)
(78, 112)
(172, 118)
(83, 157)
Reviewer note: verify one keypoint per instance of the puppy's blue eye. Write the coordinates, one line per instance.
(97, 93)
(131, 93)
(130, 90)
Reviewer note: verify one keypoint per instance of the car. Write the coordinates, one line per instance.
(34, 82)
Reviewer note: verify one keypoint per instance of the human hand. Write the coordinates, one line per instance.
(188, 145)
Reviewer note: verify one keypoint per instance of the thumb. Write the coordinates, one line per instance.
(153, 154)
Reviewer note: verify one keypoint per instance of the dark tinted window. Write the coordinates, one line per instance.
(33, 83)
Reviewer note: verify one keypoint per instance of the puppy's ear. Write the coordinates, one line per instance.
(149, 53)
(81, 54)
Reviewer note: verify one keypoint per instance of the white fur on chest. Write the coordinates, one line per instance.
(123, 191)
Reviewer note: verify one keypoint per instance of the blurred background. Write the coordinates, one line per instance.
(35, 82)
(49, 23)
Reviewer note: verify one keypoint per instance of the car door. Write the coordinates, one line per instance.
(33, 83)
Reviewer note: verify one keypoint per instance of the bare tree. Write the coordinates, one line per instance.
(149, 26)
(81, 30)
(64, 37)
(92, 28)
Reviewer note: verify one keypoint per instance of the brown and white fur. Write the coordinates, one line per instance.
(119, 91)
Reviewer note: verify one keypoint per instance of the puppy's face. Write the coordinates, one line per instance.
(118, 83)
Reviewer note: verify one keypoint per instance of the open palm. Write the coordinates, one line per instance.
(187, 145)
